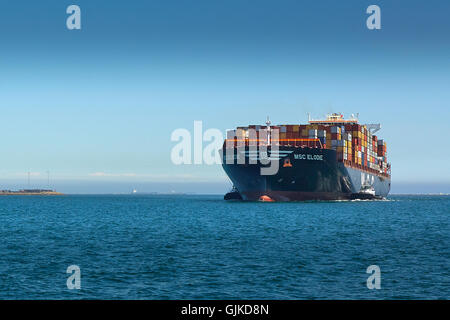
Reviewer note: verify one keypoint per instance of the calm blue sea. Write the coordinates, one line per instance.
(200, 247)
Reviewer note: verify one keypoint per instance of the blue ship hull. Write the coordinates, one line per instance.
(303, 174)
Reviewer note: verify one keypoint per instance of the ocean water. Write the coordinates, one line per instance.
(201, 247)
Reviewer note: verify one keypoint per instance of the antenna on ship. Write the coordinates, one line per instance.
(268, 130)
(373, 127)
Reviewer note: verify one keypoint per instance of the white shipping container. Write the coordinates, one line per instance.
(231, 134)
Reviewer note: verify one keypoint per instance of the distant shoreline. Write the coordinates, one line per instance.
(30, 193)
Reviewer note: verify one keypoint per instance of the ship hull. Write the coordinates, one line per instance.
(303, 174)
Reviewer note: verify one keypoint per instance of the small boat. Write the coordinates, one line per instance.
(233, 195)
(366, 193)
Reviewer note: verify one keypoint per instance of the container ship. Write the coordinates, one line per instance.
(330, 159)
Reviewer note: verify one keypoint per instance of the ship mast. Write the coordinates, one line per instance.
(268, 130)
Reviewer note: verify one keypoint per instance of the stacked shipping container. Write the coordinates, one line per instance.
(355, 145)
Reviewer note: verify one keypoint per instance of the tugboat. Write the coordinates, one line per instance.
(233, 195)
(366, 193)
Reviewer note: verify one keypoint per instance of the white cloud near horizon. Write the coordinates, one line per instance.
(104, 174)
(25, 174)
(38, 177)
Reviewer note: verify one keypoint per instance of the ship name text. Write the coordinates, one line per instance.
(301, 156)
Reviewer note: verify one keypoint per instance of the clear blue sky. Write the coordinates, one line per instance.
(97, 106)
